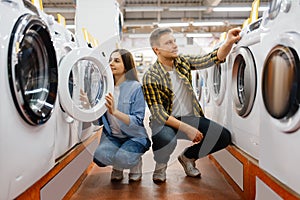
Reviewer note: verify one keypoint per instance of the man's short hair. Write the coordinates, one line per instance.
(157, 33)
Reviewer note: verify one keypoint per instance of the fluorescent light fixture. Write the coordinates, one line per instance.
(147, 35)
(237, 9)
(216, 23)
(71, 26)
(179, 24)
(143, 9)
(196, 8)
(199, 35)
(138, 35)
(137, 24)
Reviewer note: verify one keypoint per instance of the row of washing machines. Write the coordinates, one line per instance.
(42, 72)
(256, 92)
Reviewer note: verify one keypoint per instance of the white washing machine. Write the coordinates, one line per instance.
(220, 93)
(206, 91)
(68, 130)
(246, 65)
(28, 80)
(201, 88)
(280, 87)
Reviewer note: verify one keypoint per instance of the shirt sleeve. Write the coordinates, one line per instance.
(153, 99)
(136, 113)
(201, 62)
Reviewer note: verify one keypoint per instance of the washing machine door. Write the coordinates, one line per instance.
(281, 82)
(198, 85)
(244, 80)
(92, 79)
(205, 88)
(219, 82)
(32, 70)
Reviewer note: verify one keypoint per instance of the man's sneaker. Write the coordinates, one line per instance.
(159, 174)
(189, 166)
(116, 175)
(135, 173)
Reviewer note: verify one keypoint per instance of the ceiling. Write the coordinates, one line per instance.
(141, 16)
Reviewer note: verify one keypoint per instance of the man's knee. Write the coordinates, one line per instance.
(163, 138)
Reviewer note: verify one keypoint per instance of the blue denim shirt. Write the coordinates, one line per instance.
(131, 102)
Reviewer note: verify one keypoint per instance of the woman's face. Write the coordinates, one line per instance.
(116, 64)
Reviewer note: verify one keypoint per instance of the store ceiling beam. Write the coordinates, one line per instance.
(211, 2)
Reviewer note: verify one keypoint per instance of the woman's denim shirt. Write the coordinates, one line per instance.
(131, 102)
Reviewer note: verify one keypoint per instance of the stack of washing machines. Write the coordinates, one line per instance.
(43, 70)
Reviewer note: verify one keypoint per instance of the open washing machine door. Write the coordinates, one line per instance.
(83, 97)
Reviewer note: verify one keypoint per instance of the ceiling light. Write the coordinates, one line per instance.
(208, 23)
(179, 24)
(197, 35)
(70, 26)
(143, 9)
(195, 8)
(237, 9)
(140, 35)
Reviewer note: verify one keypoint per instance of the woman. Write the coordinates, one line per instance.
(124, 139)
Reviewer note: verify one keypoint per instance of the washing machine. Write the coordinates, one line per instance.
(220, 92)
(280, 87)
(201, 89)
(67, 128)
(29, 81)
(246, 66)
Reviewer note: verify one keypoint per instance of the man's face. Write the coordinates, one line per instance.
(168, 47)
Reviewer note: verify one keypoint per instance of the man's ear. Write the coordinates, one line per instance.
(155, 49)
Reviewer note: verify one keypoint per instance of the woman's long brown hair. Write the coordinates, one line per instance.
(129, 65)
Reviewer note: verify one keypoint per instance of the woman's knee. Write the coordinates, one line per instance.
(126, 160)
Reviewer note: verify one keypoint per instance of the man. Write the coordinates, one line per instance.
(175, 111)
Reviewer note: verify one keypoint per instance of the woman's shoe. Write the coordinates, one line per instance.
(116, 175)
(135, 173)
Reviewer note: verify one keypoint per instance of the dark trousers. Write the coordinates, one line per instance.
(164, 139)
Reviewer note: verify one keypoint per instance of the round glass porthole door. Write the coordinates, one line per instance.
(32, 70)
(243, 81)
(205, 88)
(91, 81)
(280, 83)
(199, 84)
(219, 82)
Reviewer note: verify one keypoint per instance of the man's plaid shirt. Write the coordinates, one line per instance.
(157, 86)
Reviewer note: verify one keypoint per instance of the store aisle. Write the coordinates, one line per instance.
(212, 185)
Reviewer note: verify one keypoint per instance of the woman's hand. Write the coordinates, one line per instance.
(84, 99)
(110, 104)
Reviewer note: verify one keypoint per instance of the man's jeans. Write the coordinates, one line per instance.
(164, 139)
